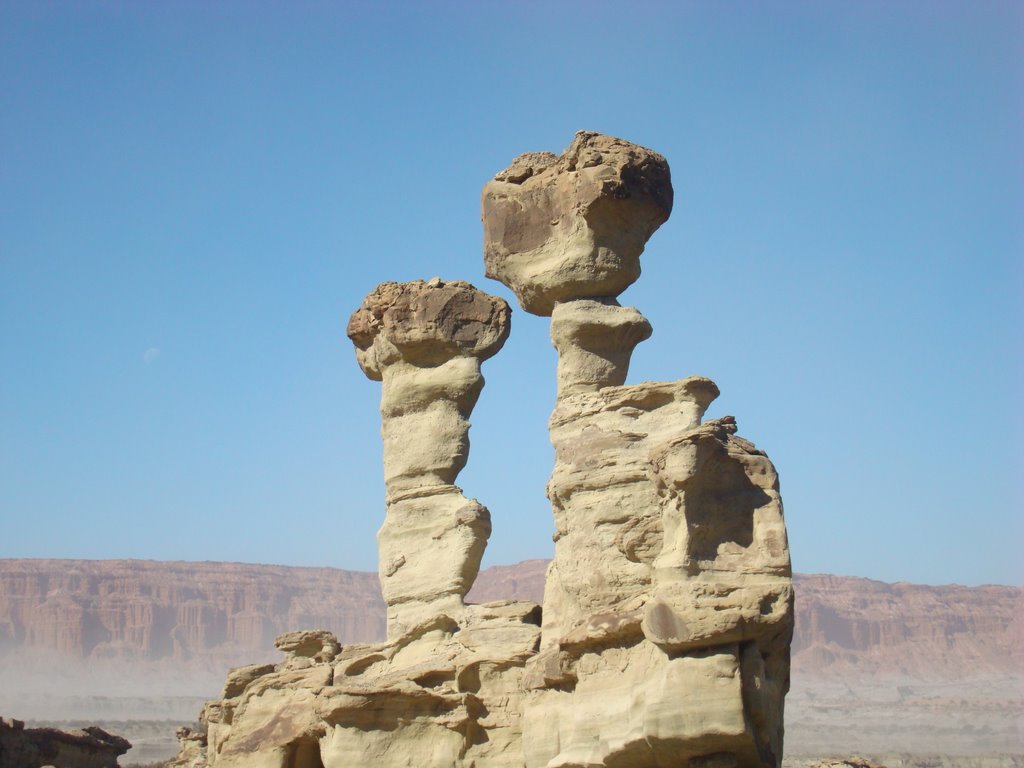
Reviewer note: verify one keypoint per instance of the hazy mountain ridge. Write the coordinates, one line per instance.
(150, 611)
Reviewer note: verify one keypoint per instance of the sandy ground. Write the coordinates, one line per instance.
(898, 723)
(948, 718)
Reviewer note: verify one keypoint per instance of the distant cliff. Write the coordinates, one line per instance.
(229, 613)
(848, 626)
(145, 610)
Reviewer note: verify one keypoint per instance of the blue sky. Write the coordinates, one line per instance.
(194, 197)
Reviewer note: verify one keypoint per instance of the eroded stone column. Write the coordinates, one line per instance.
(668, 605)
(565, 233)
(425, 341)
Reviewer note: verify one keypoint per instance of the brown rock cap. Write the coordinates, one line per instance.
(427, 323)
(573, 226)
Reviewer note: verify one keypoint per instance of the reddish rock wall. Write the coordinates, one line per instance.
(153, 610)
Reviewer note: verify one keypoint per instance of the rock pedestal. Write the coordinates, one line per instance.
(425, 341)
(668, 607)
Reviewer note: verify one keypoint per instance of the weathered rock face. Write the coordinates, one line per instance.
(145, 611)
(448, 692)
(425, 341)
(574, 226)
(854, 629)
(685, 610)
(92, 747)
(668, 607)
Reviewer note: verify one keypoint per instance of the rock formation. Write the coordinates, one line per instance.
(92, 747)
(668, 608)
(425, 343)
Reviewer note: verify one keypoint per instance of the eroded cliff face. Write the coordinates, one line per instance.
(846, 628)
(148, 611)
(860, 629)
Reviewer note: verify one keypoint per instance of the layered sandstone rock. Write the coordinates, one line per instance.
(668, 607)
(425, 341)
(446, 687)
(447, 692)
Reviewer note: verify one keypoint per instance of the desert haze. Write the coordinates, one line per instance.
(141, 640)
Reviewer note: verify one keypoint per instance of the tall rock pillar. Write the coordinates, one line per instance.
(668, 605)
(425, 341)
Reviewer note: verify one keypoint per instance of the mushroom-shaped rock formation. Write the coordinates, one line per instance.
(573, 226)
(668, 606)
(425, 341)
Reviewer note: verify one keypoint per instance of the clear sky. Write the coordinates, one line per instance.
(194, 196)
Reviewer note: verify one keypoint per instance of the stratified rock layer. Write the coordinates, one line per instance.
(668, 607)
(180, 612)
(446, 693)
(91, 747)
(847, 628)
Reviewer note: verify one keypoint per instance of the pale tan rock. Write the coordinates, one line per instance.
(595, 340)
(636, 706)
(425, 341)
(669, 543)
(668, 608)
(317, 644)
(240, 678)
(573, 227)
(723, 574)
(444, 693)
(192, 752)
(607, 512)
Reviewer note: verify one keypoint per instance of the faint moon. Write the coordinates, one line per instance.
(150, 355)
